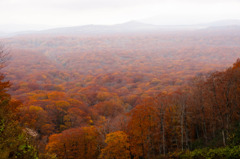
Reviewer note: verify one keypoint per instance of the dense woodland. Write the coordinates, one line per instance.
(141, 96)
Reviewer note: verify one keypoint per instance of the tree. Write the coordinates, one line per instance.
(142, 129)
(75, 143)
(117, 146)
(14, 143)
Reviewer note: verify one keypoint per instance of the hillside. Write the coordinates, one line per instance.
(154, 92)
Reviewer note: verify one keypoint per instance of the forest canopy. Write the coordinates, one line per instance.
(141, 96)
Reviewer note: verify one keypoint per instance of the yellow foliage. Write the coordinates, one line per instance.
(35, 108)
(117, 146)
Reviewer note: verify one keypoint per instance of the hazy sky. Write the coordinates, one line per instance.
(39, 14)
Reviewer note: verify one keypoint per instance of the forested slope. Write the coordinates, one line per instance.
(157, 95)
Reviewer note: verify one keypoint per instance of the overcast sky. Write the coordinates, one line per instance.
(41, 14)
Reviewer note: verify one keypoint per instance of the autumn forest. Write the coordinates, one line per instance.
(138, 95)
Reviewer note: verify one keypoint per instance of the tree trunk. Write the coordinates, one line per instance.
(224, 140)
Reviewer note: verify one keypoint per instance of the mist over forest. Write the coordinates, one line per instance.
(82, 81)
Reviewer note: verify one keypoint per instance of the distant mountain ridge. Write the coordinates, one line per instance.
(233, 22)
(128, 27)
